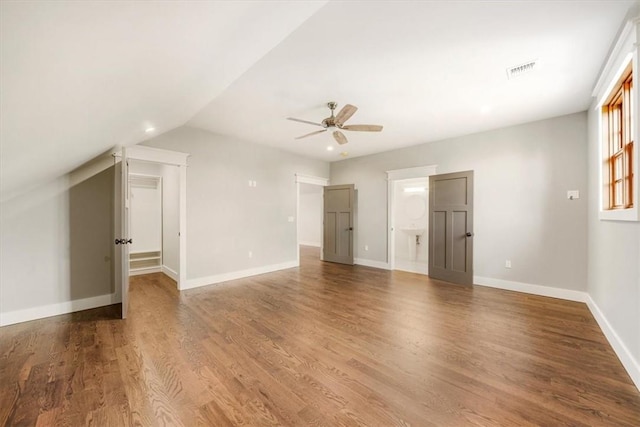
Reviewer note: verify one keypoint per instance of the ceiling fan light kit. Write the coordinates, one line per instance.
(336, 123)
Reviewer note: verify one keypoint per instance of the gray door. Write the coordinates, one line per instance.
(338, 223)
(451, 227)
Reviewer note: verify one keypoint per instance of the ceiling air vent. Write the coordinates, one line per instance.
(521, 69)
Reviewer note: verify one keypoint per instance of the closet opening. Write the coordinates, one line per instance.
(154, 219)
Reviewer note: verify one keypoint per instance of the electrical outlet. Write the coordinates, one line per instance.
(250, 254)
(366, 247)
(507, 264)
(573, 195)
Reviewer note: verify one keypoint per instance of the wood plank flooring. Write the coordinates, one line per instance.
(320, 345)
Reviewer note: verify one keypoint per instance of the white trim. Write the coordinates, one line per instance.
(182, 220)
(632, 214)
(625, 51)
(528, 288)
(623, 45)
(155, 155)
(309, 179)
(27, 314)
(626, 358)
(233, 275)
(314, 244)
(407, 173)
(371, 263)
(170, 272)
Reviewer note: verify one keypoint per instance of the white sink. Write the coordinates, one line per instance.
(414, 232)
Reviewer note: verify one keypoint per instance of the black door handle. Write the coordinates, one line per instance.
(469, 234)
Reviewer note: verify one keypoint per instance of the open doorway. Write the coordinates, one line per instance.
(309, 212)
(122, 209)
(154, 229)
(408, 220)
(310, 215)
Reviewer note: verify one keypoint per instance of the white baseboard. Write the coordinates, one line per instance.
(528, 288)
(27, 314)
(233, 275)
(371, 263)
(626, 358)
(314, 244)
(170, 272)
(631, 365)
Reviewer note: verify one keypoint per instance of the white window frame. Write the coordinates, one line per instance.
(625, 51)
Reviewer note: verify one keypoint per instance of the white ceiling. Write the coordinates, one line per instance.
(78, 78)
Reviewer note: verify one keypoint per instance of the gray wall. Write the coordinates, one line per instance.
(225, 217)
(614, 258)
(522, 174)
(56, 243)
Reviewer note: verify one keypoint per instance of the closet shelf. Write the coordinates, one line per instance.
(145, 260)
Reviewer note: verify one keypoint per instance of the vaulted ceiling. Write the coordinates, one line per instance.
(78, 78)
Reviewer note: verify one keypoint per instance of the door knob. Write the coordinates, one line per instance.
(469, 234)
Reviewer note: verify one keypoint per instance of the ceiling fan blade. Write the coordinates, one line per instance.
(363, 128)
(312, 133)
(339, 136)
(344, 114)
(305, 121)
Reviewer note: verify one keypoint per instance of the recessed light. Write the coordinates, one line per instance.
(329, 148)
(486, 109)
(150, 129)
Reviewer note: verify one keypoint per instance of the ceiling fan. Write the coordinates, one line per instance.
(336, 123)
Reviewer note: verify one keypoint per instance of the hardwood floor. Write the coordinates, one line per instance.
(323, 344)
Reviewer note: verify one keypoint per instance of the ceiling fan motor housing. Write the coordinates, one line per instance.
(330, 122)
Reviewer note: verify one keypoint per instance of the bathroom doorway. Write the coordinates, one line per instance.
(408, 219)
(411, 221)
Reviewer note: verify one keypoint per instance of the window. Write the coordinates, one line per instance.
(618, 145)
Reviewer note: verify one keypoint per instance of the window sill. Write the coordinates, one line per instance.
(619, 215)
